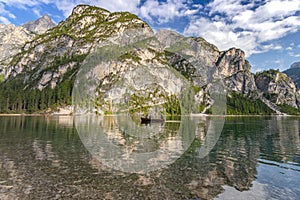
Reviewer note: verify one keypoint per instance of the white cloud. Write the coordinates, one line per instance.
(167, 11)
(4, 20)
(250, 26)
(4, 14)
(161, 11)
(37, 12)
(21, 3)
(246, 26)
(293, 54)
(120, 5)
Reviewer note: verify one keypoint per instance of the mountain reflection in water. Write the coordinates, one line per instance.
(253, 158)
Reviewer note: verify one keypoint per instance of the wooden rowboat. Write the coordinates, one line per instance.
(145, 120)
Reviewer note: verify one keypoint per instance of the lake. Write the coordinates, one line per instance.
(115, 157)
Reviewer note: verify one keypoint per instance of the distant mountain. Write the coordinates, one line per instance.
(294, 73)
(295, 65)
(40, 25)
(278, 88)
(147, 71)
(13, 38)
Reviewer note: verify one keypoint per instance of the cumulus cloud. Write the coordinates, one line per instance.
(167, 11)
(293, 54)
(246, 25)
(151, 10)
(22, 4)
(5, 12)
(249, 25)
(4, 20)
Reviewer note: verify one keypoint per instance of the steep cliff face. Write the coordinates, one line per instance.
(277, 87)
(13, 38)
(236, 71)
(41, 25)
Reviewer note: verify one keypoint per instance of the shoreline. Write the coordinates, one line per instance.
(192, 115)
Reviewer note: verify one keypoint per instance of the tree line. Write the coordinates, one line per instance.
(15, 98)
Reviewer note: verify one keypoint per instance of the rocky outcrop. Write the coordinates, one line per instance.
(12, 39)
(236, 72)
(277, 87)
(41, 25)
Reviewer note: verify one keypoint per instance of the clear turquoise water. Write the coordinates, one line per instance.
(253, 158)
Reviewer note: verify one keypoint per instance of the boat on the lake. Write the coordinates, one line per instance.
(147, 120)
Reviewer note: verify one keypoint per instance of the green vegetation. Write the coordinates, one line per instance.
(16, 98)
(130, 55)
(267, 73)
(289, 109)
(237, 104)
(172, 105)
(1, 78)
(272, 97)
(139, 104)
(181, 65)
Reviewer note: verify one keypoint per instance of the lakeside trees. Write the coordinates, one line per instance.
(14, 98)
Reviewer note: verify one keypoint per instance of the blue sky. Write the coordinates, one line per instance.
(267, 30)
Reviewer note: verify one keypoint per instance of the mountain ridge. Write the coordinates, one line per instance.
(40, 25)
(47, 65)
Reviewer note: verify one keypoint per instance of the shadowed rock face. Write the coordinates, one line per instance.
(295, 65)
(294, 73)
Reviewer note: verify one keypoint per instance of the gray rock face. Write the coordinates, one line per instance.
(295, 65)
(294, 73)
(41, 25)
(277, 87)
(236, 71)
(12, 39)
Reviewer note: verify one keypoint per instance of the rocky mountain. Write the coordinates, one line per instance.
(236, 71)
(295, 65)
(294, 73)
(278, 88)
(13, 38)
(115, 62)
(41, 25)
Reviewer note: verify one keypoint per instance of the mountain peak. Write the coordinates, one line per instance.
(40, 25)
(295, 65)
(45, 17)
(80, 9)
